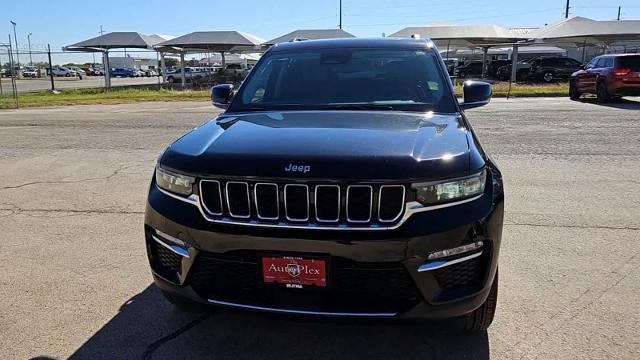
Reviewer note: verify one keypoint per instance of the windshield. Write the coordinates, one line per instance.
(345, 78)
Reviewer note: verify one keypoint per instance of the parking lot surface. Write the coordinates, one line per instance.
(72, 83)
(75, 280)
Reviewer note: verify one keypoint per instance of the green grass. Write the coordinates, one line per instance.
(130, 95)
(100, 96)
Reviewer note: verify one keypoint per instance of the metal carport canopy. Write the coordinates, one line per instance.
(466, 36)
(210, 41)
(114, 40)
(582, 31)
(311, 34)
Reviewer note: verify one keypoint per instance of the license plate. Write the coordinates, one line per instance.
(294, 272)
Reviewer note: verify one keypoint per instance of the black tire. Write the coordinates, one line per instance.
(602, 93)
(184, 304)
(574, 93)
(482, 317)
(548, 77)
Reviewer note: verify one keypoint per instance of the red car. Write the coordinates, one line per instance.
(607, 76)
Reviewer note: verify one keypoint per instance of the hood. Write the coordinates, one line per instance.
(367, 145)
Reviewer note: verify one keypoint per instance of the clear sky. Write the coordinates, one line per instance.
(64, 22)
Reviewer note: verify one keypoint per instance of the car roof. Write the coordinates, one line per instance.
(353, 43)
(617, 55)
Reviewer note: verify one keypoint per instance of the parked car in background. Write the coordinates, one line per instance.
(78, 71)
(451, 65)
(190, 73)
(63, 71)
(523, 66)
(234, 70)
(122, 72)
(492, 68)
(549, 69)
(139, 73)
(473, 68)
(30, 72)
(97, 72)
(150, 72)
(607, 76)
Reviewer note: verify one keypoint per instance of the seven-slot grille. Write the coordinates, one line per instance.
(295, 203)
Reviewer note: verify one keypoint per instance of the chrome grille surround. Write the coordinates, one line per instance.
(404, 196)
(219, 196)
(338, 203)
(410, 208)
(255, 197)
(286, 211)
(226, 190)
(349, 219)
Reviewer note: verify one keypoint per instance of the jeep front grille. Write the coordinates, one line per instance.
(316, 205)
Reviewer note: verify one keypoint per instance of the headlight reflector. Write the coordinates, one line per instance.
(435, 193)
(173, 182)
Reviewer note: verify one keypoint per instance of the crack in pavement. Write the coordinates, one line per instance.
(16, 210)
(114, 173)
(606, 227)
(151, 348)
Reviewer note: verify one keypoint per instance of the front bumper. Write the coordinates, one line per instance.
(370, 273)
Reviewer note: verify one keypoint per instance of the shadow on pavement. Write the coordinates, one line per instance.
(149, 327)
(624, 104)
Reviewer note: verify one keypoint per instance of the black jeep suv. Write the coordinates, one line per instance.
(343, 179)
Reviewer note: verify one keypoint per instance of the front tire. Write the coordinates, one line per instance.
(574, 93)
(602, 93)
(547, 77)
(482, 317)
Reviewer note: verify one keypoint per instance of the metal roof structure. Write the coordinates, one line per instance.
(116, 40)
(216, 41)
(584, 31)
(458, 36)
(311, 34)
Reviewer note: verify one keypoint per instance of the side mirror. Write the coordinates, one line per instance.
(476, 93)
(583, 67)
(221, 95)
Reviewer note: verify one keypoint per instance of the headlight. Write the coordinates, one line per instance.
(445, 191)
(173, 182)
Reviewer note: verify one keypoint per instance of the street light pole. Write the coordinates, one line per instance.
(340, 24)
(15, 38)
(29, 41)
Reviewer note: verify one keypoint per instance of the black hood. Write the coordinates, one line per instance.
(363, 145)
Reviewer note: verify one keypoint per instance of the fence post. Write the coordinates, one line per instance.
(14, 86)
(53, 85)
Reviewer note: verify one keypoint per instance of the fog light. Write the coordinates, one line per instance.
(455, 251)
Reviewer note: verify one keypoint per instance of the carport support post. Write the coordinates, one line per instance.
(107, 69)
(53, 85)
(183, 80)
(514, 63)
(485, 49)
(163, 68)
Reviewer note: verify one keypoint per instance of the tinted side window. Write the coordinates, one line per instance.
(600, 63)
(592, 63)
(608, 62)
(632, 62)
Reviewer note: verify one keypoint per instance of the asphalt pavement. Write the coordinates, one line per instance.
(75, 280)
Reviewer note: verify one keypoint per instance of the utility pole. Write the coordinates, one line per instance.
(340, 24)
(15, 38)
(29, 42)
(619, 8)
(101, 31)
(566, 11)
